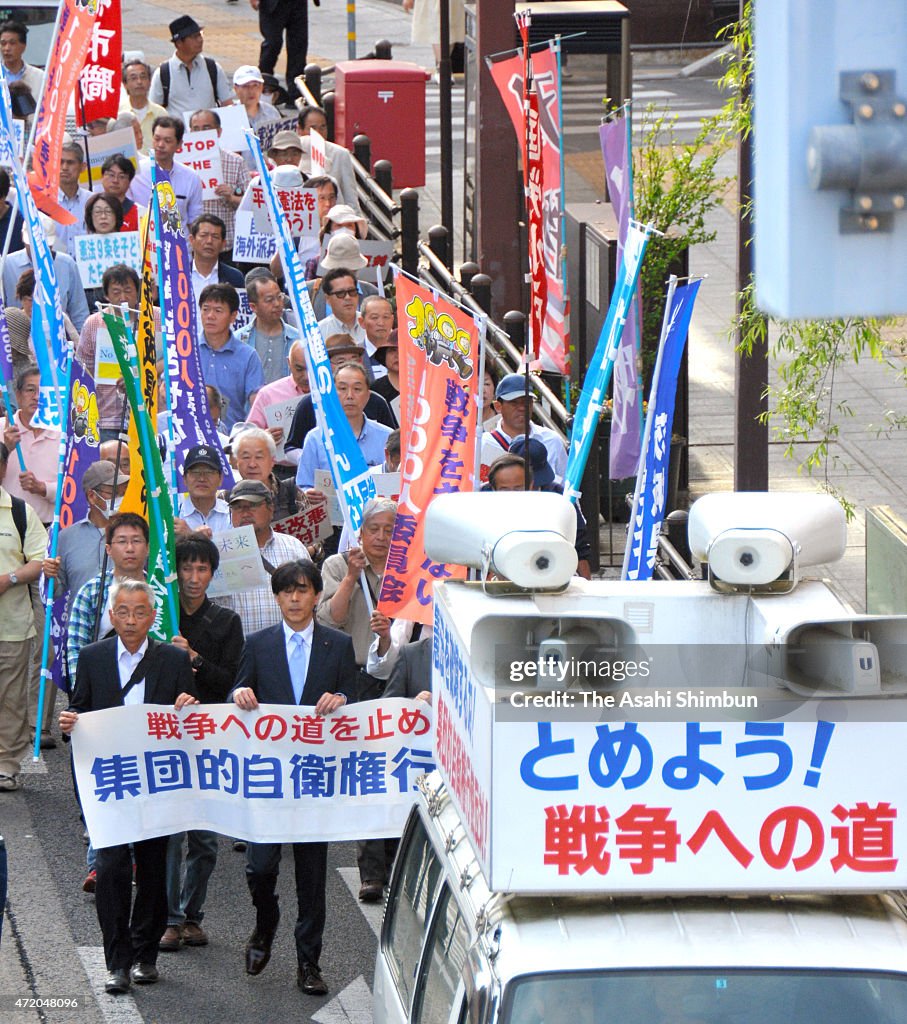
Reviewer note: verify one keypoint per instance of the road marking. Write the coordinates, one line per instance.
(352, 1005)
(372, 912)
(115, 1009)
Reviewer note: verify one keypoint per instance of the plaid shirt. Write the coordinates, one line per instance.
(81, 619)
(235, 174)
(258, 608)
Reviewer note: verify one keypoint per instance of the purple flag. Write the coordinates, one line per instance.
(626, 418)
(191, 417)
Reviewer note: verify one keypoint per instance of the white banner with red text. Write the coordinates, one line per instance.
(278, 774)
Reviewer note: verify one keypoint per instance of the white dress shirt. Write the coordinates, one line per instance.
(126, 664)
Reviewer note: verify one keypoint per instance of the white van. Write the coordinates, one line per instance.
(451, 951)
(570, 863)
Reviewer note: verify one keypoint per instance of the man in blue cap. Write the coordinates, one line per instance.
(511, 405)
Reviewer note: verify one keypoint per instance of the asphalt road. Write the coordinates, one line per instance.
(51, 943)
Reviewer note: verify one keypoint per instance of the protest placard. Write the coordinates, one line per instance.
(280, 414)
(240, 566)
(387, 484)
(277, 774)
(266, 132)
(95, 253)
(99, 147)
(234, 123)
(324, 484)
(309, 526)
(200, 152)
(106, 367)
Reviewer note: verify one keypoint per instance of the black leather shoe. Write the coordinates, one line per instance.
(144, 974)
(117, 983)
(258, 953)
(370, 892)
(310, 981)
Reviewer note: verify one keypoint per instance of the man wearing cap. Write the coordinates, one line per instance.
(251, 504)
(342, 251)
(201, 510)
(388, 356)
(341, 349)
(286, 149)
(249, 84)
(267, 332)
(188, 81)
(234, 180)
(166, 138)
(338, 162)
(510, 403)
(275, 17)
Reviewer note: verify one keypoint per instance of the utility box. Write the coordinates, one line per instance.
(385, 100)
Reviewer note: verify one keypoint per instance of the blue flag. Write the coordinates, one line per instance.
(595, 385)
(652, 488)
(47, 331)
(349, 471)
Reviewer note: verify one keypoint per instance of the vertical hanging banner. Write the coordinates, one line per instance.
(439, 350)
(162, 540)
(355, 485)
(102, 75)
(595, 384)
(554, 342)
(83, 440)
(189, 411)
(652, 490)
(135, 499)
(48, 334)
(626, 417)
(75, 23)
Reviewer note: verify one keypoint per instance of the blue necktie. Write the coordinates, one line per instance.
(298, 666)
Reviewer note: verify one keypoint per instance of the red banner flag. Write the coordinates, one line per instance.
(102, 75)
(554, 339)
(67, 55)
(439, 381)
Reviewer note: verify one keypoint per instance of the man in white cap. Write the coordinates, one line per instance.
(249, 84)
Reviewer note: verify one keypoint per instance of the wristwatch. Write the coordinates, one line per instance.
(197, 661)
(238, 190)
(13, 579)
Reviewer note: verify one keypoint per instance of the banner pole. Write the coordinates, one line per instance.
(52, 553)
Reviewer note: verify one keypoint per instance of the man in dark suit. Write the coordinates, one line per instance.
(296, 662)
(411, 675)
(127, 669)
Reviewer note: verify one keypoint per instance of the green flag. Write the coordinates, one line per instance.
(161, 553)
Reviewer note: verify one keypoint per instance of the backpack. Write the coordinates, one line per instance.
(19, 519)
(210, 64)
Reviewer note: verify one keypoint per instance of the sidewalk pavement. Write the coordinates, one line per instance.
(869, 469)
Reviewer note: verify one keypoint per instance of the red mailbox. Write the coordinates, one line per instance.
(385, 100)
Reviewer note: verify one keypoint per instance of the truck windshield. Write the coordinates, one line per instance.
(707, 997)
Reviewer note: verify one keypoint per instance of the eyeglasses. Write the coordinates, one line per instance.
(344, 293)
(139, 614)
(128, 542)
(203, 471)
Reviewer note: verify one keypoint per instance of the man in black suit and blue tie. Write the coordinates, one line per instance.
(297, 662)
(130, 668)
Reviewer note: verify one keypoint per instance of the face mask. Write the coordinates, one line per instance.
(108, 508)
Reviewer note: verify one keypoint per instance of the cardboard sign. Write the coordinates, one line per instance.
(99, 147)
(234, 123)
(240, 566)
(95, 253)
(280, 414)
(106, 367)
(324, 484)
(200, 152)
(309, 526)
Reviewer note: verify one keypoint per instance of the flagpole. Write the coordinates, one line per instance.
(637, 332)
(647, 432)
(556, 46)
(52, 553)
